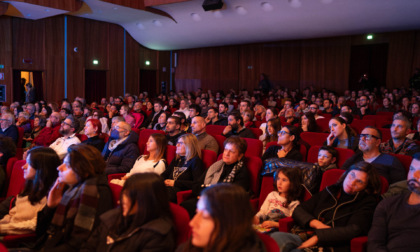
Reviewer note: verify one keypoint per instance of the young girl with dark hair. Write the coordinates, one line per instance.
(223, 222)
(142, 223)
(40, 173)
(281, 202)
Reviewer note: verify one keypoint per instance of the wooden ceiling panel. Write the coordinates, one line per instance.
(68, 5)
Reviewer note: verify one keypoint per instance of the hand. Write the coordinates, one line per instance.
(316, 224)
(49, 124)
(281, 153)
(309, 243)
(55, 194)
(363, 110)
(270, 224)
(227, 129)
(256, 220)
(169, 182)
(207, 119)
(330, 139)
(124, 178)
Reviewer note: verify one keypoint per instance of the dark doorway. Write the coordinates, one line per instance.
(34, 77)
(148, 82)
(95, 85)
(370, 59)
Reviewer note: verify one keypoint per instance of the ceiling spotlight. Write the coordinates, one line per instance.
(266, 6)
(195, 17)
(241, 10)
(140, 26)
(212, 5)
(295, 3)
(326, 1)
(115, 8)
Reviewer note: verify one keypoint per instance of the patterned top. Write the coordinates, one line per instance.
(409, 147)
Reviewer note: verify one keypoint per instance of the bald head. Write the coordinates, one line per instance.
(198, 125)
(55, 118)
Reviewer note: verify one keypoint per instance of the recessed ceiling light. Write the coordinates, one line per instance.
(241, 10)
(157, 23)
(295, 3)
(195, 17)
(47, 10)
(266, 6)
(326, 1)
(217, 14)
(115, 8)
(140, 26)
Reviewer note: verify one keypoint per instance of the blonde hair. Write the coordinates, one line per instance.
(192, 148)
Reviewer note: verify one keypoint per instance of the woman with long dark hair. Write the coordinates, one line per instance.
(288, 145)
(40, 173)
(308, 122)
(341, 135)
(79, 196)
(142, 223)
(223, 222)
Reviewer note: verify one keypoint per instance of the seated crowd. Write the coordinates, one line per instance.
(198, 153)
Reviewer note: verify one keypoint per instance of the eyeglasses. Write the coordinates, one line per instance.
(282, 133)
(180, 143)
(68, 124)
(368, 136)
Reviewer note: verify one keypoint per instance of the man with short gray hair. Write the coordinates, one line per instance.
(8, 127)
(399, 143)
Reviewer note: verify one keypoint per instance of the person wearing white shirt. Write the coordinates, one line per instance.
(68, 130)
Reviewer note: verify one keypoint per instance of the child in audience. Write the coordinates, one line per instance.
(154, 162)
(223, 222)
(143, 223)
(40, 173)
(281, 202)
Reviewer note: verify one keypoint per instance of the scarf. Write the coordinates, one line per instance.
(215, 171)
(113, 144)
(78, 203)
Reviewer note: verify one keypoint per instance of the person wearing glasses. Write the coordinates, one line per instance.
(68, 130)
(388, 166)
(314, 108)
(186, 168)
(287, 145)
(334, 216)
(121, 151)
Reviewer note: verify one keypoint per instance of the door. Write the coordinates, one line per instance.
(148, 82)
(95, 85)
(21, 78)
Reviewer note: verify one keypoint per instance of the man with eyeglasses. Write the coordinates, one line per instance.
(314, 109)
(121, 151)
(364, 107)
(395, 225)
(8, 127)
(388, 166)
(399, 143)
(68, 130)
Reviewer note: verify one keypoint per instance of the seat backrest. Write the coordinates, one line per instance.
(359, 125)
(266, 188)
(386, 134)
(116, 191)
(384, 185)
(9, 167)
(220, 141)
(254, 148)
(170, 153)
(181, 220)
(215, 129)
(314, 138)
(323, 124)
(254, 165)
(343, 155)
(330, 177)
(144, 136)
(208, 157)
(257, 132)
(313, 154)
(302, 149)
(17, 181)
(404, 159)
(269, 243)
(21, 131)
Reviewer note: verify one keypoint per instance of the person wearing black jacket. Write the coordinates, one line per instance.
(236, 127)
(337, 214)
(152, 119)
(287, 147)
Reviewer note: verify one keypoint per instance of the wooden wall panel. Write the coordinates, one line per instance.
(400, 53)
(250, 57)
(132, 65)
(288, 65)
(75, 60)
(116, 60)
(416, 56)
(6, 55)
(313, 57)
(28, 43)
(54, 60)
(164, 67)
(337, 64)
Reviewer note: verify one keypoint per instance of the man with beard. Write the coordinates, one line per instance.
(388, 166)
(236, 127)
(68, 130)
(173, 130)
(396, 220)
(50, 133)
(399, 143)
(364, 107)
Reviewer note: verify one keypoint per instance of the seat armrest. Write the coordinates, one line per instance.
(286, 224)
(359, 244)
(183, 195)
